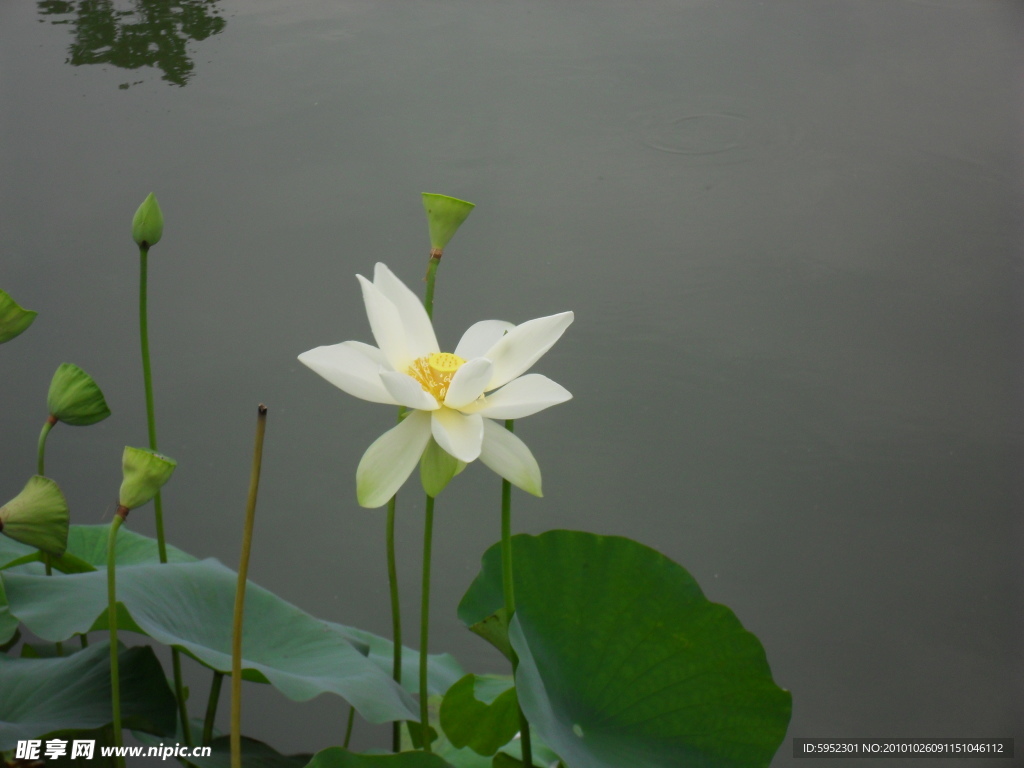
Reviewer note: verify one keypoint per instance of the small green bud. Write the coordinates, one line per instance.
(38, 516)
(444, 216)
(144, 473)
(13, 318)
(75, 398)
(148, 224)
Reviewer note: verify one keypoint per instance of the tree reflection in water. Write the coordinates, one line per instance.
(153, 33)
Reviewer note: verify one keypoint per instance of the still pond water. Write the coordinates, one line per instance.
(791, 233)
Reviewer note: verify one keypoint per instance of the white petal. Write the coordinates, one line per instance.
(353, 367)
(387, 326)
(468, 383)
(521, 397)
(419, 331)
(507, 455)
(408, 392)
(459, 435)
(481, 337)
(391, 459)
(521, 347)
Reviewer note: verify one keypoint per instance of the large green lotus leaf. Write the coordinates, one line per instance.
(442, 668)
(8, 624)
(624, 662)
(255, 754)
(480, 712)
(89, 542)
(190, 606)
(336, 757)
(42, 696)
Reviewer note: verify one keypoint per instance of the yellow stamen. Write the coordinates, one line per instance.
(434, 372)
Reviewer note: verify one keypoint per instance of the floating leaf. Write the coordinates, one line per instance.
(13, 318)
(624, 662)
(41, 696)
(255, 754)
(480, 712)
(189, 606)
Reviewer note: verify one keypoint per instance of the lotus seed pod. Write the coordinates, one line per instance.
(144, 473)
(13, 318)
(38, 516)
(148, 224)
(444, 217)
(75, 398)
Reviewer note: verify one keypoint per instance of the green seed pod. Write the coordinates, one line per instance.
(13, 318)
(444, 216)
(75, 398)
(148, 224)
(144, 473)
(38, 516)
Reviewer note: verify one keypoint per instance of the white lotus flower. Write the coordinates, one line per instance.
(452, 396)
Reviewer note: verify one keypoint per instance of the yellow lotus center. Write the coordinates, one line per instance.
(434, 372)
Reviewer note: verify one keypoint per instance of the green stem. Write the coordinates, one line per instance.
(158, 507)
(396, 617)
(428, 297)
(41, 450)
(428, 535)
(348, 728)
(243, 570)
(211, 706)
(508, 591)
(115, 677)
(147, 376)
(49, 572)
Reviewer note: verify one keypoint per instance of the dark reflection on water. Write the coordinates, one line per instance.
(153, 34)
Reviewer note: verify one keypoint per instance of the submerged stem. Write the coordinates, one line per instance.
(243, 570)
(115, 676)
(428, 535)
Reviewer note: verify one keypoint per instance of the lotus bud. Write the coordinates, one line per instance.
(444, 216)
(148, 224)
(144, 472)
(75, 398)
(38, 516)
(13, 318)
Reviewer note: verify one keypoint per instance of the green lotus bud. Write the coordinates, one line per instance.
(38, 516)
(13, 318)
(444, 216)
(75, 398)
(144, 473)
(148, 224)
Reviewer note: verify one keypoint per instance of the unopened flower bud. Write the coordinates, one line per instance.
(38, 516)
(144, 473)
(148, 224)
(75, 398)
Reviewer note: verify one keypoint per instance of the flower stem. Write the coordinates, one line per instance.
(508, 591)
(115, 677)
(49, 572)
(41, 450)
(428, 535)
(348, 727)
(211, 706)
(158, 509)
(243, 570)
(396, 617)
(428, 296)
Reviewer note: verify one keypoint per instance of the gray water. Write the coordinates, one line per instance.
(791, 233)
